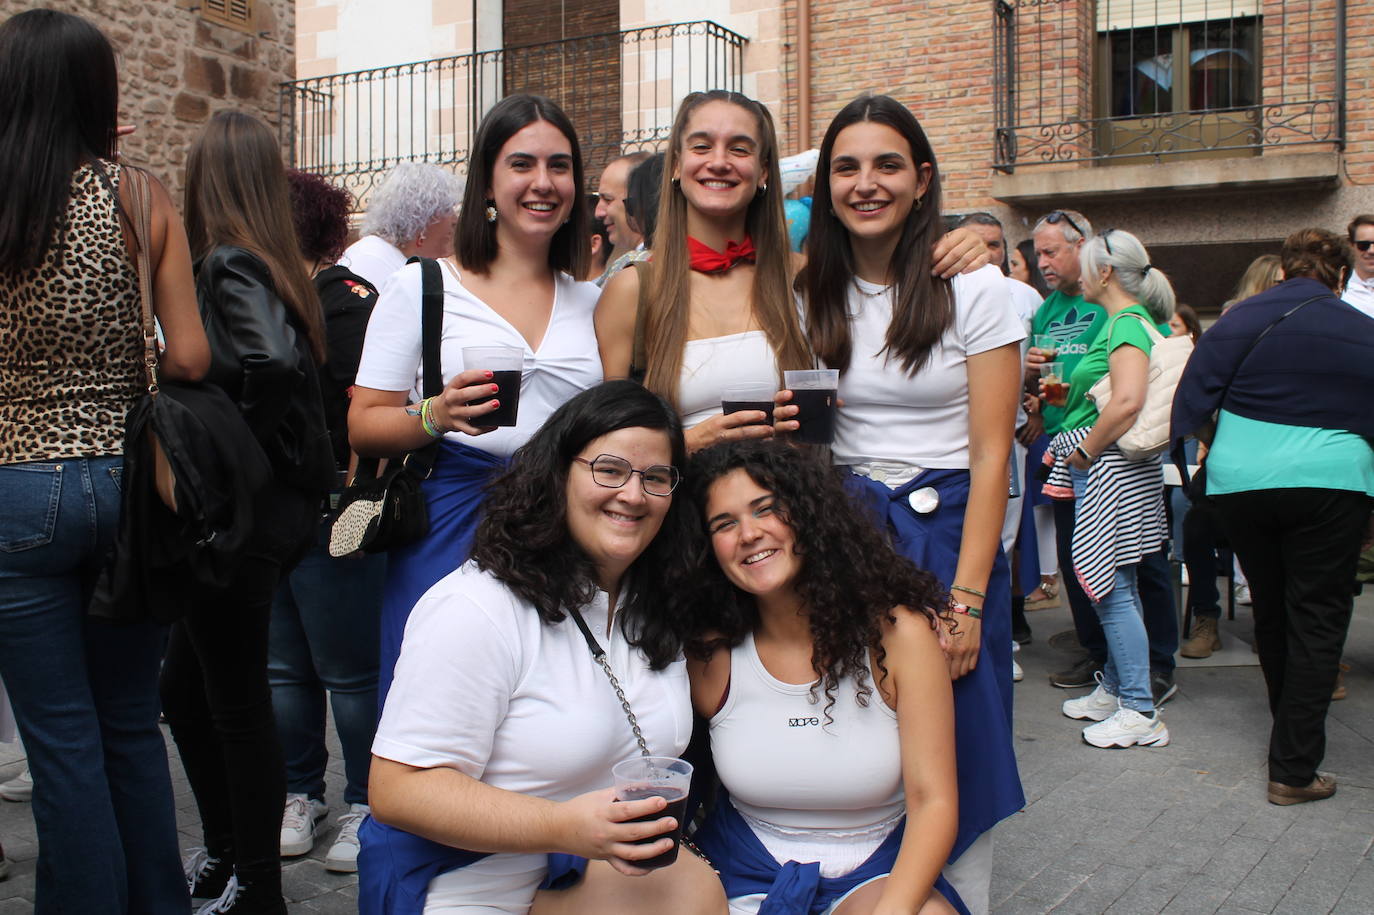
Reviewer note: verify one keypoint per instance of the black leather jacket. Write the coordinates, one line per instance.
(261, 357)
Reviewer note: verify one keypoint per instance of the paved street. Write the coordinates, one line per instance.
(1182, 829)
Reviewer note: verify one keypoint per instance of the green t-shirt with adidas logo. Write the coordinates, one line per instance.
(1074, 324)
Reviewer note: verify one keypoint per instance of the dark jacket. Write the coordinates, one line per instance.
(161, 562)
(1315, 368)
(261, 357)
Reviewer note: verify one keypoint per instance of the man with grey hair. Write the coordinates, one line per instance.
(1074, 324)
(414, 212)
(610, 208)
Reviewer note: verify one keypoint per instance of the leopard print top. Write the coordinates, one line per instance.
(71, 347)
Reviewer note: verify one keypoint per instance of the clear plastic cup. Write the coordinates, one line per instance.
(656, 776)
(751, 395)
(1053, 385)
(505, 364)
(815, 392)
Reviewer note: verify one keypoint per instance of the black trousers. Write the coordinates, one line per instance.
(1298, 548)
(217, 700)
(1156, 599)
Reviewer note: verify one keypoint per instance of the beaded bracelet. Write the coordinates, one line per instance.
(427, 418)
(974, 591)
(974, 612)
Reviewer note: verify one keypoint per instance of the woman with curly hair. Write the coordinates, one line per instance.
(816, 657)
(414, 213)
(493, 757)
(327, 612)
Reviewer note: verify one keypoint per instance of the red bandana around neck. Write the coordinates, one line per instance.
(708, 260)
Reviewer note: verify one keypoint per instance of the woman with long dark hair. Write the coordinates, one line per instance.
(71, 366)
(493, 757)
(522, 238)
(266, 340)
(1287, 375)
(929, 377)
(816, 659)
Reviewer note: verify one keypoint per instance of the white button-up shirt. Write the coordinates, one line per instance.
(1360, 293)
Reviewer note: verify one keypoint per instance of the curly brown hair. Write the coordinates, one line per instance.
(850, 581)
(319, 211)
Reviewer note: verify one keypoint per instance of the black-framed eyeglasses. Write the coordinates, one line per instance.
(613, 472)
(1364, 244)
(1060, 215)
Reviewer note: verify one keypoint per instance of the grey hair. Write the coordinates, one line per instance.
(1124, 253)
(1071, 235)
(412, 196)
(980, 218)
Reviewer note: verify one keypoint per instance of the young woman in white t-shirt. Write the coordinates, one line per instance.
(930, 377)
(492, 761)
(522, 237)
(719, 284)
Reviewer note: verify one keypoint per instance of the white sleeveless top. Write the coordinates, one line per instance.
(785, 766)
(712, 364)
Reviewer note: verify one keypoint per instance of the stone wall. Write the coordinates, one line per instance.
(177, 67)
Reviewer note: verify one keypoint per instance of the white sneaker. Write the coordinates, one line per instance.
(1128, 728)
(19, 788)
(1097, 705)
(343, 854)
(1017, 674)
(298, 823)
(1243, 595)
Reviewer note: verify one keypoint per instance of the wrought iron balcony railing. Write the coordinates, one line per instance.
(620, 89)
(1123, 82)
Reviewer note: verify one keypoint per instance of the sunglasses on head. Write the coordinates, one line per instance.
(1060, 216)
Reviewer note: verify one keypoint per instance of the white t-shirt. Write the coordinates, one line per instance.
(889, 415)
(566, 362)
(374, 259)
(1025, 300)
(712, 364)
(1360, 293)
(485, 687)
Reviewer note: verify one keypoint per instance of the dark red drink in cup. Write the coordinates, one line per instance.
(816, 394)
(505, 364)
(753, 395)
(656, 776)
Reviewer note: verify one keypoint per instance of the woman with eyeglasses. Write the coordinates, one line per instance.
(1287, 374)
(815, 654)
(1118, 503)
(492, 763)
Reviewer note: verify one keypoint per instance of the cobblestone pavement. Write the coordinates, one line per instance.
(1180, 829)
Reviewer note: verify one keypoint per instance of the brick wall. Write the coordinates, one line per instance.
(176, 69)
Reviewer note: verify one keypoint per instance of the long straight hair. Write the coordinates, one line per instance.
(475, 240)
(923, 305)
(665, 325)
(57, 111)
(237, 194)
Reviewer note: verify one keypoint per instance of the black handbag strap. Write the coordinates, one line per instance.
(421, 460)
(599, 655)
(1176, 453)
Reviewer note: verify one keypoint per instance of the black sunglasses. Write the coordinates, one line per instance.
(1106, 241)
(1060, 215)
(1364, 245)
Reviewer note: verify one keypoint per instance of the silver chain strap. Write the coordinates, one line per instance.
(599, 654)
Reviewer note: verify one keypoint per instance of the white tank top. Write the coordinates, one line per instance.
(786, 767)
(712, 364)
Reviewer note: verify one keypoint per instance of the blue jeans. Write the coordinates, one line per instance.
(1126, 674)
(326, 623)
(85, 697)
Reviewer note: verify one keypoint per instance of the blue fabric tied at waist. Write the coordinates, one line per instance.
(396, 867)
(453, 495)
(989, 784)
(746, 868)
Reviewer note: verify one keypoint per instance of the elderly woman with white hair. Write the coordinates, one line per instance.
(1118, 504)
(414, 212)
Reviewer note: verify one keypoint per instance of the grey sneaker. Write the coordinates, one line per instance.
(1162, 687)
(298, 822)
(1077, 676)
(343, 854)
(19, 788)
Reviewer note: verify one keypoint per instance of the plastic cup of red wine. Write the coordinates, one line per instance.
(752, 395)
(815, 392)
(655, 776)
(505, 364)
